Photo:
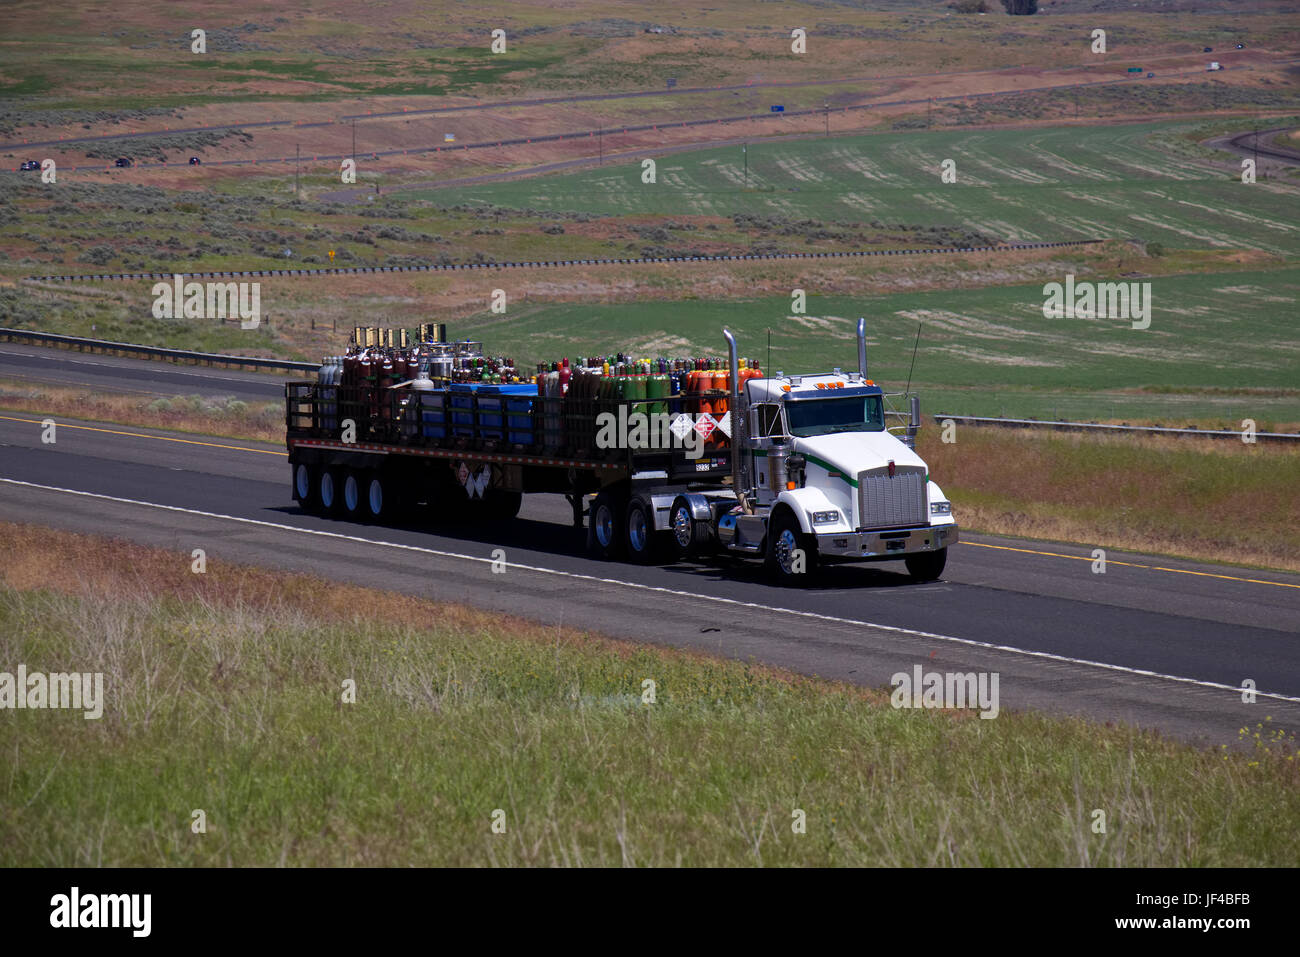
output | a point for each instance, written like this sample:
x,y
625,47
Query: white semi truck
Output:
x,y
801,470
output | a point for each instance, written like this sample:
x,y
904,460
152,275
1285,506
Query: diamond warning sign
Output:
x,y
705,425
681,425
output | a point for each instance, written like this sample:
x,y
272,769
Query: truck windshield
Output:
x,y
825,416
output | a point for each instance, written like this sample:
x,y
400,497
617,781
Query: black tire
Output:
x,y
688,536
351,494
605,527
329,491
644,545
781,559
927,566
302,483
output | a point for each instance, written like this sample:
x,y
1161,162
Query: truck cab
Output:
x,y
818,476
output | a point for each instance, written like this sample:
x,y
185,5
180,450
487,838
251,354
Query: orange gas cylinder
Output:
x,y
721,383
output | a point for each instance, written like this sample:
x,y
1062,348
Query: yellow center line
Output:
x,y
1158,568
141,435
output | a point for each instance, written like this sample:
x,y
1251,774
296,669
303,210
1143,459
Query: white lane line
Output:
x,y
968,642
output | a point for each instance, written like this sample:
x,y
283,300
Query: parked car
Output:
x,y
1241,46
30,164
1208,50
122,161
1150,75
195,161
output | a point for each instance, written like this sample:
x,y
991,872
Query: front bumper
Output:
x,y
883,543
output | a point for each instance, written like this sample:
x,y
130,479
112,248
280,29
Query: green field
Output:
x,y
1218,346
1015,185
224,693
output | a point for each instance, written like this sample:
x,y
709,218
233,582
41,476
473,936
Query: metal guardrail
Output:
x,y
557,263
106,347
1061,426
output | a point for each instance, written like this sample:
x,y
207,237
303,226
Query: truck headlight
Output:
x,y
941,508
825,518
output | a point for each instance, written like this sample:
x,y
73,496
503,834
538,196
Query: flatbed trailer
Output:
x,y
795,470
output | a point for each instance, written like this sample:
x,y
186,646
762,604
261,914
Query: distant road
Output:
x,y
539,101
605,131
132,376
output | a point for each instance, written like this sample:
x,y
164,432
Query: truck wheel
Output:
x,y
689,536
642,541
304,487
380,500
927,566
604,528
350,498
328,491
791,554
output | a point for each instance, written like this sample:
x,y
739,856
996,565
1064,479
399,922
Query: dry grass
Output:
x,y
220,416
1197,498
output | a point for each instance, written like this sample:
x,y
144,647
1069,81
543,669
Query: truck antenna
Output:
x,y
768,367
914,345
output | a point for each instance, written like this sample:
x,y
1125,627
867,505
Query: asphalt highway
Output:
x,y
115,374
1154,642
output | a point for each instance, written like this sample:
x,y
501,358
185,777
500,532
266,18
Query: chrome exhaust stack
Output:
x,y
737,420
862,347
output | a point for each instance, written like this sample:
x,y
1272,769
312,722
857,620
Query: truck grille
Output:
x,y
886,501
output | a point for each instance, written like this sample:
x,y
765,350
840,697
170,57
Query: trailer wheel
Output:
x,y
926,566
379,499
304,487
350,499
604,528
791,557
642,541
328,491
688,535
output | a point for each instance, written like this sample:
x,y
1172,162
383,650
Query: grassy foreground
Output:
x,y
224,694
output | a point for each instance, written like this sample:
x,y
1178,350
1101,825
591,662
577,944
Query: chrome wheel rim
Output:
x,y
302,481
604,526
682,527
376,497
636,535
327,490
350,493
785,548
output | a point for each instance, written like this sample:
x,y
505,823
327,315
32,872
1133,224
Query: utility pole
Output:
x,y
600,138
354,141
745,149
929,112
827,108
297,156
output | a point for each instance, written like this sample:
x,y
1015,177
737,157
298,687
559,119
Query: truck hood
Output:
x,y
853,452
